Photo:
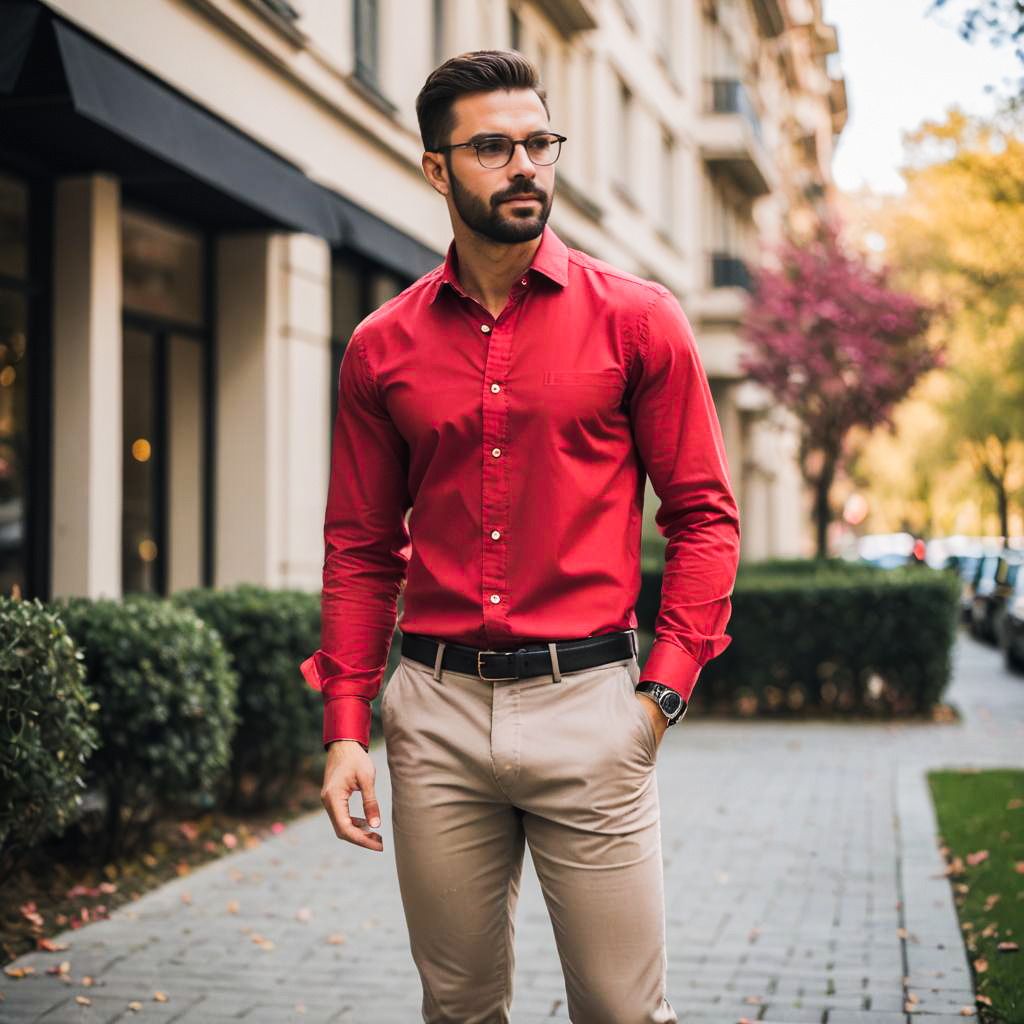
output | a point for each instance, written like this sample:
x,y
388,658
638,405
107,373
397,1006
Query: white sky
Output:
x,y
902,68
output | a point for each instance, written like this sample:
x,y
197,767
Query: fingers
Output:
x,y
335,798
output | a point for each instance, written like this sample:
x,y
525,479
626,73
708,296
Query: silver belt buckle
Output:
x,y
479,667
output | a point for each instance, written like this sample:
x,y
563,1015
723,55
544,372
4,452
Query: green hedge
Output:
x,y
46,731
267,634
828,639
167,695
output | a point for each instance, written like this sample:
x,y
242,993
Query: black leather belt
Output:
x,y
528,660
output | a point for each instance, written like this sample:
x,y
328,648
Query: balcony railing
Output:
x,y
728,96
729,271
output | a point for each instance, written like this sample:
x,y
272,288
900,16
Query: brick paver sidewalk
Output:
x,y
802,876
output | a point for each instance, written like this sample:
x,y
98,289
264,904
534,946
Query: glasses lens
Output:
x,y
544,149
494,152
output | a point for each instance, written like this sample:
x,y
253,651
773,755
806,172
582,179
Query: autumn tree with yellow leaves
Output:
x,y
957,236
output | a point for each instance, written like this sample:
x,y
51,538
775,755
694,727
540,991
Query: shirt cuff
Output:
x,y
672,666
347,718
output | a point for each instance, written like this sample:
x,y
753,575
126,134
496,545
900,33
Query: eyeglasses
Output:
x,y
494,151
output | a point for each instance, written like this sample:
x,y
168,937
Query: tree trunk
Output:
x,y
822,510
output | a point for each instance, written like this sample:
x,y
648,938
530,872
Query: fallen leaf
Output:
x,y
277,827
977,857
83,1000
189,830
967,1011
135,1006
1008,947
336,939
1019,867
19,972
229,840
51,946
233,906
984,999
29,912
160,997
303,914
981,965
1015,804
64,967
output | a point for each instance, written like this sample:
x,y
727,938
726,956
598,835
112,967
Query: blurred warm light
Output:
x,y
7,375
147,550
875,241
141,449
856,509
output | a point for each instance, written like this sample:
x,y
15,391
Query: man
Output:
x,y
514,398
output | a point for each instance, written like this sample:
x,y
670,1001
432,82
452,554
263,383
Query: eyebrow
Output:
x,y
480,136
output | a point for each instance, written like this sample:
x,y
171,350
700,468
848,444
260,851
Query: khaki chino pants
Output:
x,y
564,762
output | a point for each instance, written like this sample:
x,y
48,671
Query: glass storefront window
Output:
x,y
166,436
13,442
163,269
141,457
13,228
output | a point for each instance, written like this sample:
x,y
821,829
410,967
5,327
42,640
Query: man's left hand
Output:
x,y
658,719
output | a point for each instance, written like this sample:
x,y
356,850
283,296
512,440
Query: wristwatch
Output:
x,y
673,707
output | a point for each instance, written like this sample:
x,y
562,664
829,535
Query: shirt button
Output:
x,y
495,452
485,328
495,388
495,599
495,534
523,281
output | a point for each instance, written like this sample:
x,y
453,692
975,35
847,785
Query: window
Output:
x,y
667,210
515,31
439,26
367,46
358,287
165,412
14,392
622,139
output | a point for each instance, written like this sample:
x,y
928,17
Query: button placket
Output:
x,y
495,482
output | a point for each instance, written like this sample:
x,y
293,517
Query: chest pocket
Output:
x,y
583,394
611,378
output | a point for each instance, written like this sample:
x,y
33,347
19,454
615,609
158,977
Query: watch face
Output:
x,y
671,703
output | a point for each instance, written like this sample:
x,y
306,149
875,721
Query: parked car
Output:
x,y
1011,638
966,559
886,550
992,592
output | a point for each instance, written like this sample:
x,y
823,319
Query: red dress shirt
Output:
x,y
520,444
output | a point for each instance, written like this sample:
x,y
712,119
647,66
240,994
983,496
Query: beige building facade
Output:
x,y
199,199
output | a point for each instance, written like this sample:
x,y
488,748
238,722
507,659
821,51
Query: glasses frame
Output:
x,y
475,145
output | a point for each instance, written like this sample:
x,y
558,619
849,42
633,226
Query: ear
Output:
x,y
436,172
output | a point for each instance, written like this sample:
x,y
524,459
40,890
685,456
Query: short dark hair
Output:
x,y
473,72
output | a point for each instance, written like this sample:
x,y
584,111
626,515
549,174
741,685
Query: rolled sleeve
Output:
x,y
679,438
366,551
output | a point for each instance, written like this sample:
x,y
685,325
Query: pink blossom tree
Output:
x,y
831,342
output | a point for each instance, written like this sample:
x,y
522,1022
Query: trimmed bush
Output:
x,y
267,634
46,732
833,640
167,699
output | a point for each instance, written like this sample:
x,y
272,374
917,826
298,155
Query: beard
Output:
x,y
490,220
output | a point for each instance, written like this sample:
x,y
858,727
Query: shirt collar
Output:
x,y
551,259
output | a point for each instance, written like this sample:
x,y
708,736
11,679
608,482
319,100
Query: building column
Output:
x,y
87,395
273,395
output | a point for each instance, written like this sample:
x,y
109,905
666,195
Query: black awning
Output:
x,y
70,104
370,236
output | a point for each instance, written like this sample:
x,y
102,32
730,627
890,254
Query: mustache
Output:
x,y
529,193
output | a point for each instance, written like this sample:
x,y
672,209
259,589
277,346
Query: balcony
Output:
x,y
730,137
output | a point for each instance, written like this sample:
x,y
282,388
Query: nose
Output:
x,y
521,166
